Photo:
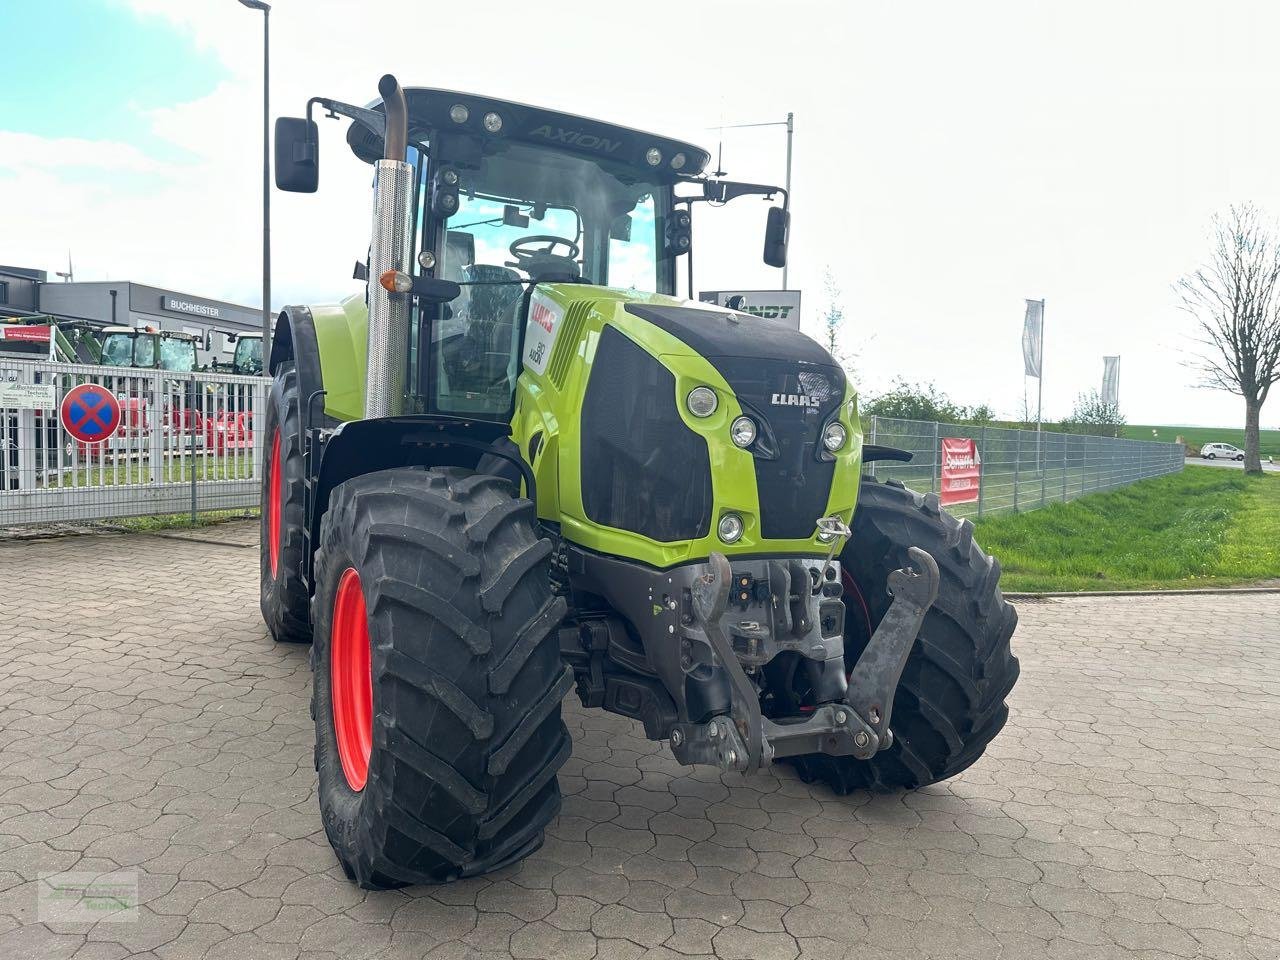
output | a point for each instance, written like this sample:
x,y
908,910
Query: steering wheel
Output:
x,y
519,248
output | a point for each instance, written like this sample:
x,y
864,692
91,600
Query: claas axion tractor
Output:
x,y
519,462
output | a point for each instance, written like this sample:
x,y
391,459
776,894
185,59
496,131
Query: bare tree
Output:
x,y
1235,298
833,319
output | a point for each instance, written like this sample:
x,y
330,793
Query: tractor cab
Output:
x,y
247,360
149,348
502,197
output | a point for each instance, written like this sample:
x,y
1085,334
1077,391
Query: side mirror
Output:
x,y
297,155
776,231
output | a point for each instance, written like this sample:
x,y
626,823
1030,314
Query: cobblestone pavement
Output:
x,y
1131,808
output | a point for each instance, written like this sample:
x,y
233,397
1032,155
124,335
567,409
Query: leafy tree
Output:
x,y
1093,416
981,414
918,401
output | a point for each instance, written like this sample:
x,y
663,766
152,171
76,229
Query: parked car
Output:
x,y
1212,451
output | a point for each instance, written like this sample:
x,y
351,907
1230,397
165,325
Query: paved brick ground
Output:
x,y
1131,809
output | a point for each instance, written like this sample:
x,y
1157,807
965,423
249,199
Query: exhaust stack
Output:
x,y
388,355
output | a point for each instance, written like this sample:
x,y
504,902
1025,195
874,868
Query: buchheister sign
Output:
x,y
194,307
961,471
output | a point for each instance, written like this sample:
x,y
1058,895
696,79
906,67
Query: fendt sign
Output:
x,y
780,305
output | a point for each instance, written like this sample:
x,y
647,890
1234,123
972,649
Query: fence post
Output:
x,y
1042,463
936,482
982,486
1017,469
190,418
873,440
1064,468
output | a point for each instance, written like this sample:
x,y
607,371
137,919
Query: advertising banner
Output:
x,y
961,471
1111,381
26,334
1033,339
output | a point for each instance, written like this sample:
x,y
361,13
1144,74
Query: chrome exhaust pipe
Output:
x,y
390,249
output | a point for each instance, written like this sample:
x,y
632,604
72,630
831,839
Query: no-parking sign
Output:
x,y
90,413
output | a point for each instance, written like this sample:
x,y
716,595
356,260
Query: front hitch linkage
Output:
x,y
746,741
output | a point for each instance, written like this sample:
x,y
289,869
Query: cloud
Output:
x,y
26,153
949,161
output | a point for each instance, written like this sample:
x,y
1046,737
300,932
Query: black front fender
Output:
x,y
359,447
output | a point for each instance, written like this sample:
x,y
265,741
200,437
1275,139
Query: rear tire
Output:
x,y
465,677
283,594
950,701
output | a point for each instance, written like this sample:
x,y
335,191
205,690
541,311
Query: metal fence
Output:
x,y
1020,469
186,442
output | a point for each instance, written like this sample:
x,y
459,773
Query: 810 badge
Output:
x,y
540,332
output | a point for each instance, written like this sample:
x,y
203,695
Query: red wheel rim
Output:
x,y
273,504
350,680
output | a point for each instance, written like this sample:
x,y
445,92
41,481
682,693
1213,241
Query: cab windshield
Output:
x,y
139,350
118,349
527,215
248,356
177,354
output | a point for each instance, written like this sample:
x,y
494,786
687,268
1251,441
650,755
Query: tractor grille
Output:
x,y
792,479
567,342
643,470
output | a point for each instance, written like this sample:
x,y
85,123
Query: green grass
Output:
x,y
1269,440
1198,528
177,521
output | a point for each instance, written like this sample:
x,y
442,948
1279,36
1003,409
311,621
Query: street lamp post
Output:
x,y
266,173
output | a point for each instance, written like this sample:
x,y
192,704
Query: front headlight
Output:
x,y
730,528
834,436
743,431
702,401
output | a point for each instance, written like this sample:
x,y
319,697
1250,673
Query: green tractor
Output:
x,y
519,462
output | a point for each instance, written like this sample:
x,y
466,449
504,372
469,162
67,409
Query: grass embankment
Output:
x,y
1202,527
1268,440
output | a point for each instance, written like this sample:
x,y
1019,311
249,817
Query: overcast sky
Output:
x,y
951,159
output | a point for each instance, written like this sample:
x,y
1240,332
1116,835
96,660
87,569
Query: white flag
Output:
x,y
1033,338
1111,381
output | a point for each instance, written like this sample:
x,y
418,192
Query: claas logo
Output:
x,y
543,317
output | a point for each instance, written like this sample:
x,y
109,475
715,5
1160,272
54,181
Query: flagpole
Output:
x,y
1040,391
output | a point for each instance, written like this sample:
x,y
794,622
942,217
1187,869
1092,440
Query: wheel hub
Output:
x,y
350,680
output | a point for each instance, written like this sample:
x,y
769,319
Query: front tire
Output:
x,y
282,592
436,703
950,700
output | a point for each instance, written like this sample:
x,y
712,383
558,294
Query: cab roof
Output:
x,y
174,334
431,109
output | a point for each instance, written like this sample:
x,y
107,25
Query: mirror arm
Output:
x,y
372,120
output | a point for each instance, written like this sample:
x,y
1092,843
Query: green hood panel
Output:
x,y
342,332
563,332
